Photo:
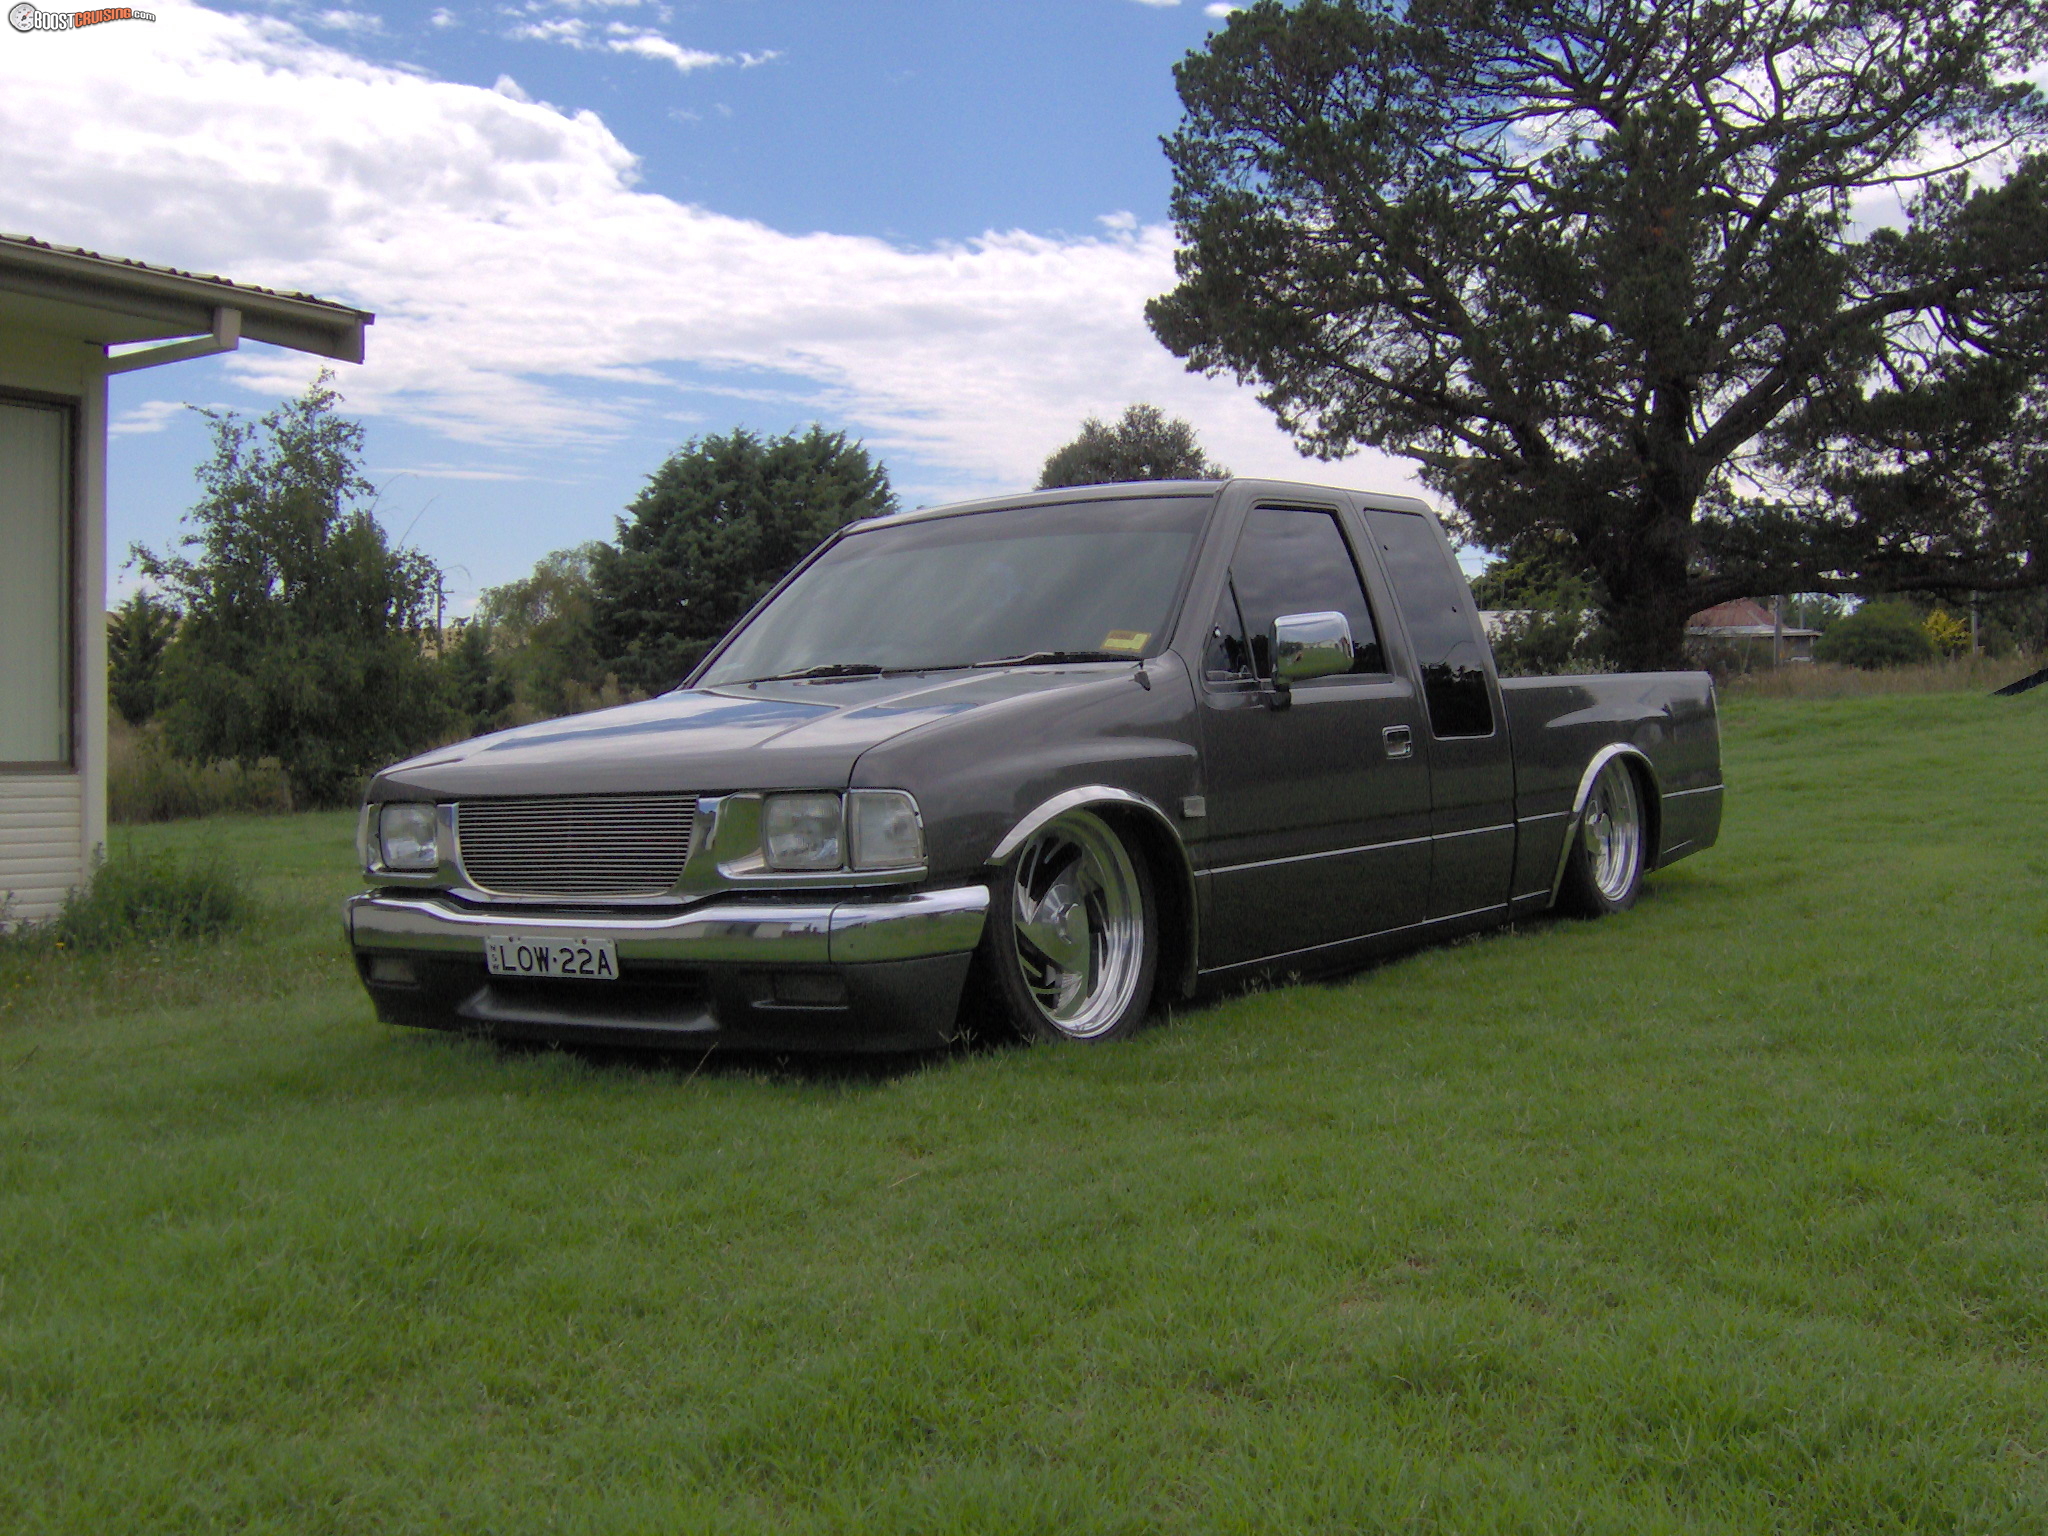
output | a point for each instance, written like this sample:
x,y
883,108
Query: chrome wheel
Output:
x,y
1612,834
1077,925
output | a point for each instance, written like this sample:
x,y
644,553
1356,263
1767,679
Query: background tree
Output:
x,y
1588,262
719,524
1144,444
543,637
303,628
1545,622
480,696
138,633
1888,634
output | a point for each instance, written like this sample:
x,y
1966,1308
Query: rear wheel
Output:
x,y
1073,938
1604,870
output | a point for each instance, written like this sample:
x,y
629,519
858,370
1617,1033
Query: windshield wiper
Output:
x,y
1049,658
826,669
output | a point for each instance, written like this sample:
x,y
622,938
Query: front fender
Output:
x,y
1158,842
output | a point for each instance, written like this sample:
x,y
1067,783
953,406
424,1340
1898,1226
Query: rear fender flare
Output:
x,y
1653,807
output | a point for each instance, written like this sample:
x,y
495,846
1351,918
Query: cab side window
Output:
x,y
1288,560
1436,604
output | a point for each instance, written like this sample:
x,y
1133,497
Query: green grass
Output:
x,y
1725,1215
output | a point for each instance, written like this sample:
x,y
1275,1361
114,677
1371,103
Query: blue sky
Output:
x,y
592,230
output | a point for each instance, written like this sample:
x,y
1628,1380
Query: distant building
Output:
x,y
62,314
1748,629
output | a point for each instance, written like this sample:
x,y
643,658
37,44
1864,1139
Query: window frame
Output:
x,y
71,550
1496,701
1227,589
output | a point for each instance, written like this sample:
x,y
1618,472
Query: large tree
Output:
x,y
1653,278
303,636
1142,444
719,524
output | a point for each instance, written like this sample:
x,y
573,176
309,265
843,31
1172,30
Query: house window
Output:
x,y
35,583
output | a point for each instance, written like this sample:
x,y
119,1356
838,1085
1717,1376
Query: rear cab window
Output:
x,y
1443,627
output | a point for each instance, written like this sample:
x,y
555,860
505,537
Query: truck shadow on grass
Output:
x,y
983,1038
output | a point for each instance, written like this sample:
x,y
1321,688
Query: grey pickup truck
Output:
x,y
1053,760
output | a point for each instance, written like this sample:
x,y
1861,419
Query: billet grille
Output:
x,y
575,846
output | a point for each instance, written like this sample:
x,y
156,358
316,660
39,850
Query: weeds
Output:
x,y
146,783
144,899
1821,680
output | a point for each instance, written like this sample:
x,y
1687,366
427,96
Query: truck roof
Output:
x,y
1125,489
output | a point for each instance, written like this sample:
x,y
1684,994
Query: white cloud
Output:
x,y
1160,4
1220,11
619,37
528,292
573,31
1122,222
152,416
652,45
444,472
361,22
443,19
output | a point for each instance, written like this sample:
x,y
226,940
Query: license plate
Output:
x,y
508,954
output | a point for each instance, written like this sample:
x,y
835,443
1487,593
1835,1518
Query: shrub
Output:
x,y
152,898
1947,633
1876,635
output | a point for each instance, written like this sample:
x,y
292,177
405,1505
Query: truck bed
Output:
x,y
1559,724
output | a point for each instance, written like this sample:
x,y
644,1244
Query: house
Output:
x,y
1750,630
62,314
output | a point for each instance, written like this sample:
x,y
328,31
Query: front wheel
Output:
x,y
1073,937
1604,870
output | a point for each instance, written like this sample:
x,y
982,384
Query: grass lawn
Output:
x,y
1728,1214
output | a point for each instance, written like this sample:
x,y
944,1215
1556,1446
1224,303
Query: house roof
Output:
x,y
108,299
1745,618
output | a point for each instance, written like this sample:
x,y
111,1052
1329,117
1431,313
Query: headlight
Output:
x,y
801,832
883,828
406,835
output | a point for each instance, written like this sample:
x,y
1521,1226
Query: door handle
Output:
x,y
1400,741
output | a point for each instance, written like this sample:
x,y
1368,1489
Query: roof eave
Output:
x,y
176,304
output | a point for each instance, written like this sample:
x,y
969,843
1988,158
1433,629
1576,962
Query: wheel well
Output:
x,y
1645,780
1172,890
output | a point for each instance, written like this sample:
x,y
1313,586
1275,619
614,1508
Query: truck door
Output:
x,y
1318,813
1471,766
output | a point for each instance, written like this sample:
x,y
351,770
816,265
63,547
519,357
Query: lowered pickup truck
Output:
x,y
1057,758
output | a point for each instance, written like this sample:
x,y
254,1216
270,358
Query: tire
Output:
x,y
1072,943
1604,871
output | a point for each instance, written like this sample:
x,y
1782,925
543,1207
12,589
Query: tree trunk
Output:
x,y
1649,631
1643,572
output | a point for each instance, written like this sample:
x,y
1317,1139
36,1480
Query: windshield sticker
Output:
x,y
1126,639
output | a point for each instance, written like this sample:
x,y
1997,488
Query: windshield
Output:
x,y
1089,580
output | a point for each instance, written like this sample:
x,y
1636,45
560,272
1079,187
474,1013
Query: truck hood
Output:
x,y
792,735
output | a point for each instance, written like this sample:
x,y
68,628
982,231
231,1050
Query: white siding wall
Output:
x,y
50,822
41,842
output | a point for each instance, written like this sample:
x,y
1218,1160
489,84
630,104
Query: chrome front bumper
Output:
x,y
855,931
872,972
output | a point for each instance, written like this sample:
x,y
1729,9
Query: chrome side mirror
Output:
x,y
1305,646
